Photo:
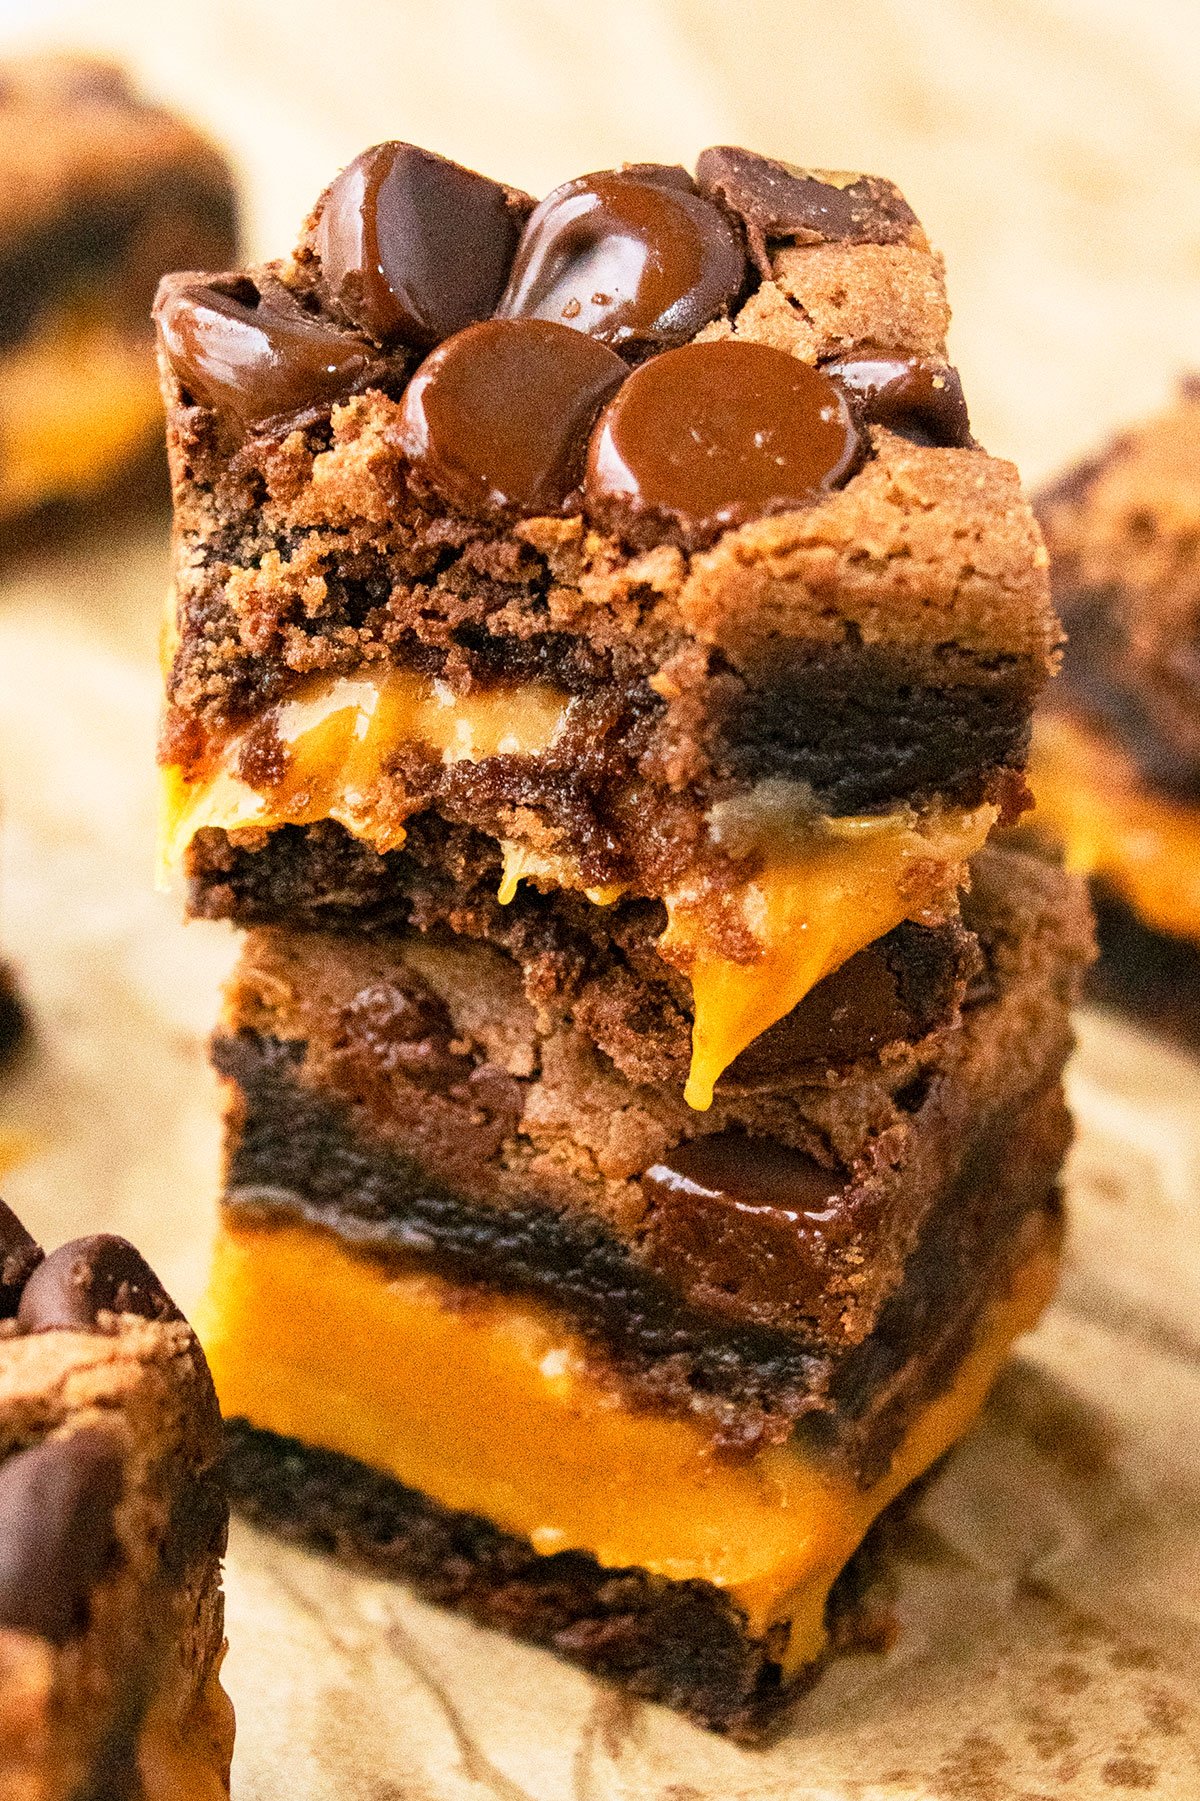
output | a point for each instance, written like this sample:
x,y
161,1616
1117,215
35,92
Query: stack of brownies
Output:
x,y
598,649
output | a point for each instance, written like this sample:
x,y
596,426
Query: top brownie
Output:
x,y
640,531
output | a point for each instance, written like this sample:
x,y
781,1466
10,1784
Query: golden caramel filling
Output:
x,y
830,887
491,1406
818,901
76,402
326,750
1091,798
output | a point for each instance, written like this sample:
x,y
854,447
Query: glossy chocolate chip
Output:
x,y
57,1501
632,258
252,353
740,1215
496,419
778,201
412,248
88,1277
916,396
712,435
20,1255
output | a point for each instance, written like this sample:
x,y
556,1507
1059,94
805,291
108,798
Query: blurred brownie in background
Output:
x,y
112,1529
12,1014
100,192
1116,768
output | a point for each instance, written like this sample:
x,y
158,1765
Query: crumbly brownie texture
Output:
x,y
1122,529
881,643
596,968
114,1520
680,1643
98,188
404,1094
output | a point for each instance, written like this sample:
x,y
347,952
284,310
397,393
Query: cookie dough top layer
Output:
x,y
469,309
1123,530
101,1382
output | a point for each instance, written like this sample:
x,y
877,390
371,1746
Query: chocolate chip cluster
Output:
x,y
560,372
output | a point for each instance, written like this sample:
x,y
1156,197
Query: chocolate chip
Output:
x,y
57,1501
496,418
777,200
88,1277
712,435
20,1255
252,353
412,247
741,1216
631,257
918,397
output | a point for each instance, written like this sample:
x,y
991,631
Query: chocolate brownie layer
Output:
x,y
100,191
1151,974
681,1643
1122,529
12,1015
597,968
403,1094
839,609
113,1518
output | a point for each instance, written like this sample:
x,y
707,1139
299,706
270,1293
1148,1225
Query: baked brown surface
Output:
x,y
114,1520
97,186
405,1093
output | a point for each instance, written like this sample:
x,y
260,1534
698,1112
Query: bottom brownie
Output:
x,y
1151,975
681,1643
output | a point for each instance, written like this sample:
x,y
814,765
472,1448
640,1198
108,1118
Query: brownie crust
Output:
x,y
681,1643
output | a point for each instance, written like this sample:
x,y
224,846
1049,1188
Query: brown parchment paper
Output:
x,y
1048,1590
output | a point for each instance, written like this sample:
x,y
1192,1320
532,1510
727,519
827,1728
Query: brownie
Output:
x,y
403,1092
113,1518
100,192
12,1015
444,1202
661,587
1117,751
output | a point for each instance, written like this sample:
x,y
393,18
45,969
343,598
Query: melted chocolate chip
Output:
x,y
916,396
712,435
88,1277
252,353
742,1216
412,247
632,258
496,418
776,200
57,1501
20,1255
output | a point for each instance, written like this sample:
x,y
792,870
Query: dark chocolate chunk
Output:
x,y
20,1255
412,247
632,258
712,435
917,396
777,200
252,353
57,1501
741,1216
497,418
88,1277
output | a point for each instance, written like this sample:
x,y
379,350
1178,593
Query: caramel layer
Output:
x,y
76,402
491,1406
1092,799
828,888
